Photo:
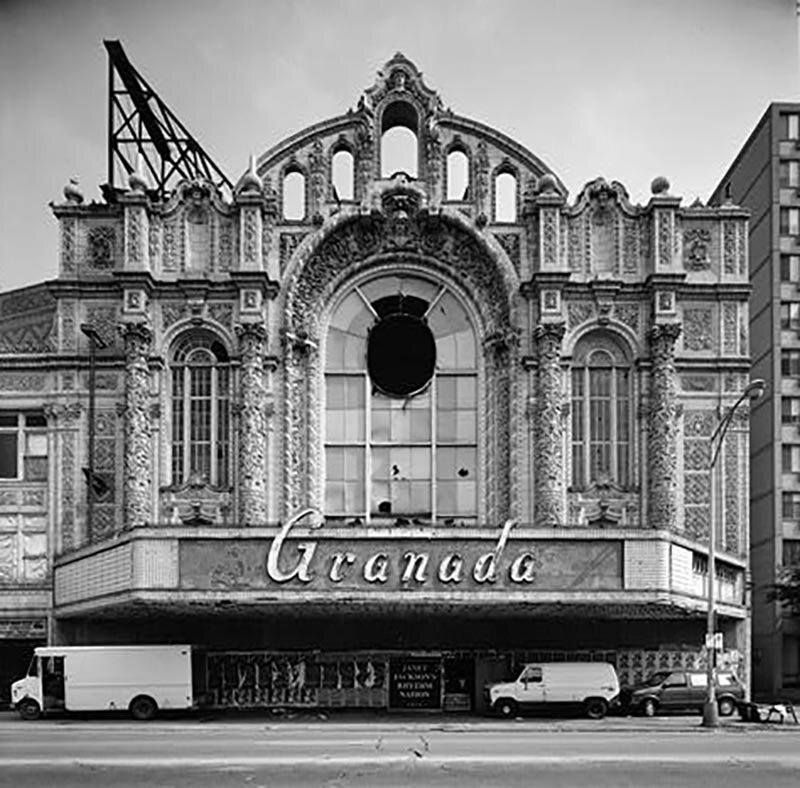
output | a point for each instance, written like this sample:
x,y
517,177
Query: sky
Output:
x,y
624,89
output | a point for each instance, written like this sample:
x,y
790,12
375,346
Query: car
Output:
x,y
684,690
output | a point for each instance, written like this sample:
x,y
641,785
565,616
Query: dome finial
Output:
x,y
659,185
136,180
250,181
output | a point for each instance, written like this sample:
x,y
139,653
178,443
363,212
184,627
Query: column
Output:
x,y
548,430
662,429
252,476
138,426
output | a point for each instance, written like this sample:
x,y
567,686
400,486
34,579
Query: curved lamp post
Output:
x,y
754,390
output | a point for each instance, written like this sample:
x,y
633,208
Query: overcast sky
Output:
x,y
626,89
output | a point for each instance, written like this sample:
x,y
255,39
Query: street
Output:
x,y
373,753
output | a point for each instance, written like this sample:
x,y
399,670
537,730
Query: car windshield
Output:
x,y
656,678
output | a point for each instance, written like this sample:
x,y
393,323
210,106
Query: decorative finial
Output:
x,y
136,180
72,193
660,185
250,181
547,183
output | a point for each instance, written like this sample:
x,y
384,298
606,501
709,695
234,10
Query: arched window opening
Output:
x,y
505,198
457,175
294,196
200,418
399,143
401,438
342,175
601,417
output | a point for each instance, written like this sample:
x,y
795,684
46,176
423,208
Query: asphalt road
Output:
x,y
394,752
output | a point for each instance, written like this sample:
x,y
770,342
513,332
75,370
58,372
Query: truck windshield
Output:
x,y
33,668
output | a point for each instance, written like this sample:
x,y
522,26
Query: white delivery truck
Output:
x,y
592,687
139,679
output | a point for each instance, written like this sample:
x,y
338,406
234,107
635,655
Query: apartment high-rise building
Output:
x,y
765,178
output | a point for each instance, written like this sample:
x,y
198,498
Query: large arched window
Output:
x,y
602,426
401,405
200,418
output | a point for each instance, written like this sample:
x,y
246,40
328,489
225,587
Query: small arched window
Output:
x,y
200,418
602,425
457,175
505,197
294,196
342,174
399,143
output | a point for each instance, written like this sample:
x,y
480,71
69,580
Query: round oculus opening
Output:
x,y
401,355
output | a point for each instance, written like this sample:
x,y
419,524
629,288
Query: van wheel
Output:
x,y
29,709
506,708
143,707
649,708
726,707
596,708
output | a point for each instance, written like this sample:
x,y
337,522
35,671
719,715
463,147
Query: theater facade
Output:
x,y
371,438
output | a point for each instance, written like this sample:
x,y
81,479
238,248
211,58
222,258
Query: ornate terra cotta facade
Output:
x,y
492,405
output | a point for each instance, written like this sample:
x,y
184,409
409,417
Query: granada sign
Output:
x,y
407,564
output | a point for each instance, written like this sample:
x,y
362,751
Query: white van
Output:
x,y
139,679
592,687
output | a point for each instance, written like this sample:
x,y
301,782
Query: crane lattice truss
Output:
x,y
144,132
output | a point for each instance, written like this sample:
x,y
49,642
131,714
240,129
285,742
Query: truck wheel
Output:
x,y
506,708
143,707
28,709
726,707
596,708
649,708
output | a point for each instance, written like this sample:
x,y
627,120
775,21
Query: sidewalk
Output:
x,y
359,720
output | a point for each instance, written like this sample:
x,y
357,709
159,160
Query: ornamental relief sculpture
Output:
x,y
662,437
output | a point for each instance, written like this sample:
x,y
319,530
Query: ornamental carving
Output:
x,y
154,241
664,225
69,245
316,166
511,246
630,238
104,319
138,425
548,450
67,441
22,382
481,178
549,237
733,473
101,243
222,314
575,250
172,312
730,317
173,244
628,314
662,437
250,251
225,244
699,332
579,312
135,221
288,243
34,300
696,243
697,382
253,425
729,247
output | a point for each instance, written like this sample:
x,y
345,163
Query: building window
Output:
x,y
294,196
791,552
399,143
791,127
401,405
789,173
790,509
790,221
342,175
790,410
790,363
201,432
457,175
790,458
790,268
505,197
23,446
601,416
790,315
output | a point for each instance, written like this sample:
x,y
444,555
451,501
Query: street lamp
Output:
x,y
754,390
95,341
